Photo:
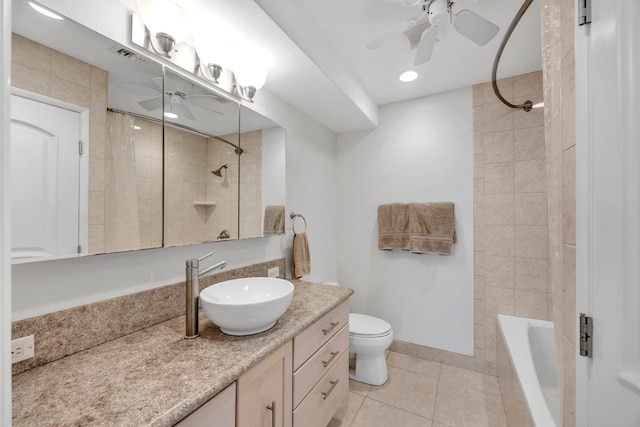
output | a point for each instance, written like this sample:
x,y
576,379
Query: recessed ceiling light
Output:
x,y
408,76
170,115
45,12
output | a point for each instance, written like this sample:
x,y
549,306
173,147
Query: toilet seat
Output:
x,y
361,325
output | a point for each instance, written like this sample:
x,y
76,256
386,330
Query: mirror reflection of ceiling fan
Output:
x,y
179,96
431,26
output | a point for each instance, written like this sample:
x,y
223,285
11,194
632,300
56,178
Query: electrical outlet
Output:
x,y
274,272
22,349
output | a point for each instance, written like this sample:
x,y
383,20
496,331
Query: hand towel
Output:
x,y
393,226
300,256
273,220
432,228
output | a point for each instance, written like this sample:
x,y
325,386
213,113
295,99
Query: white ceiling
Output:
x,y
333,34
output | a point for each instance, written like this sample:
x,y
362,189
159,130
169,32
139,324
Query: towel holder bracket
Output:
x,y
293,217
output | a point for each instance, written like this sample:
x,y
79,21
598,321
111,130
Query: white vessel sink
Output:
x,y
246,306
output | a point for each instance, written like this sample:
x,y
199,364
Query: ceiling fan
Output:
x,y
178,93
431,26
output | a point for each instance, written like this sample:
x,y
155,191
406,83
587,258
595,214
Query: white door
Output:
x,y
608,212
45,176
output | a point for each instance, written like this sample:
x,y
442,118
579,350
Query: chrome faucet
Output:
x,y
193,291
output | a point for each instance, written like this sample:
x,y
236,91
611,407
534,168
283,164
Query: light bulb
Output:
x,y
165,16
250,68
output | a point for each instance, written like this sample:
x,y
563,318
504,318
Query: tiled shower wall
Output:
x,y
510,209
558,26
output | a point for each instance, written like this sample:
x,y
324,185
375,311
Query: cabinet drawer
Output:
x,y
219,411
316,335
314,368
317,409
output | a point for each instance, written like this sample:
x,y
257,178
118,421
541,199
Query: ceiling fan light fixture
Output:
x,y
45,12
408,76
170,115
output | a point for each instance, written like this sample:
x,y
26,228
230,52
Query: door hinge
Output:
x,y
586,335
584,12
80,147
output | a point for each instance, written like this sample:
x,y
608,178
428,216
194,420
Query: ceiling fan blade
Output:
x,y
158,82
151,104
186,112
425,48
136,88
201,101
391,33
475,27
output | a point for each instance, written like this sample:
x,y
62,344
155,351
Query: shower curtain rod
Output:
x,y
177,125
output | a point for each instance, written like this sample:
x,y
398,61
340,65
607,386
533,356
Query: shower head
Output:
x,y
218,172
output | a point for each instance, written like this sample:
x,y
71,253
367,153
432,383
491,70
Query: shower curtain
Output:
x,y
122,226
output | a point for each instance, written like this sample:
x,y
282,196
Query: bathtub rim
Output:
x,y
515,335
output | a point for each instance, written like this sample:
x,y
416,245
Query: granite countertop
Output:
x,y
154,377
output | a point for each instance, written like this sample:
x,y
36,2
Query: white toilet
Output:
x,y
369,337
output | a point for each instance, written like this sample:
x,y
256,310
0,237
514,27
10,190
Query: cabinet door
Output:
x,y
220,411
265,392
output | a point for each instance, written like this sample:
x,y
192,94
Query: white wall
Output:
x,y
311,151
274,177
422,151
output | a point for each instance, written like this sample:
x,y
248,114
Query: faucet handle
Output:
x,y
206,256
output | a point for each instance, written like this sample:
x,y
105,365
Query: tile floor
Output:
x,y
420,393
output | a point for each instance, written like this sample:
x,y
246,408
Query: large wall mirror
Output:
x,y
163,160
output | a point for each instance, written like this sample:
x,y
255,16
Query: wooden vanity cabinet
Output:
x,y
264,392
220,411
321,369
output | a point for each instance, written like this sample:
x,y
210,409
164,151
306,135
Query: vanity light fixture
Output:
x,y
215,53
250,71
167,20
45,12
408,76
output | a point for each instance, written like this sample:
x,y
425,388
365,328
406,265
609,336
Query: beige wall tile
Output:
x,y
96,207
500,272
499,240
504,85
569,389
98,106
530,176
529,144
531,274
478,312
530,209
96,173
478,118
99,79
478,288
531,304
499,178
70,69
478,336
478,238
70,92
498,301
531,241
478,166
30,55
491,332
526,119
569,196
498,147
569,314
528,84
96,239
97,141
568,108
478,142
478,214
478,95
498,209
567,36
31,80
497,117
478,190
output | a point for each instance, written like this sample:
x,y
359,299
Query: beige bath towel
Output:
x,y
273,220
432,228
393,226
300,256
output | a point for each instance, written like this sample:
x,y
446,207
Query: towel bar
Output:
x,y
293,217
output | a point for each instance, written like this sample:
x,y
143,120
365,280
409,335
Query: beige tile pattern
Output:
x,y
419,394
510,211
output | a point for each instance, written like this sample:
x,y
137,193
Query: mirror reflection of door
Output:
x,y
45,177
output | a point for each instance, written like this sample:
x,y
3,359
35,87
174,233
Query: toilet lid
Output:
x,y
363,325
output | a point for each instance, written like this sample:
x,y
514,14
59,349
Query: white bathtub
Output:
x,y
530,346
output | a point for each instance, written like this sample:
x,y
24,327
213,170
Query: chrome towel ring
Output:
x,y
293,217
